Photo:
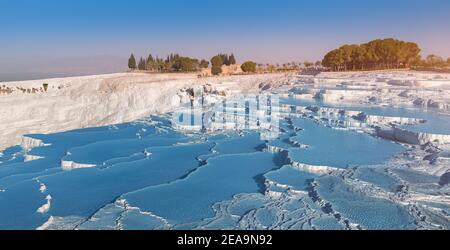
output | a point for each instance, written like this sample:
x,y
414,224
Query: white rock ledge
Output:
x,y
411,137
70,165
29,143
315,169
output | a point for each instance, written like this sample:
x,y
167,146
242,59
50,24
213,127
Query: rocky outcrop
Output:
x,y
430,103
377,119
403,82
445,179
411,137
29,143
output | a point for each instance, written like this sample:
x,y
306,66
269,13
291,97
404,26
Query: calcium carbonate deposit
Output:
x,y
361,150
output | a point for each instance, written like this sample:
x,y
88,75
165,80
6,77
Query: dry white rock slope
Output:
x,y
89,101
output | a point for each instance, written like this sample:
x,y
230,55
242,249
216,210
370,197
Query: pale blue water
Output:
x,y
84,191
370,212
338,148
378,176
191,199
287,175
183,178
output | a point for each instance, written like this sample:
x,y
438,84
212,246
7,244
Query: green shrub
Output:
x,y
216,70
217,61
249,66
185,64
204,64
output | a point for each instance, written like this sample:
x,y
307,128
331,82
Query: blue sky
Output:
x,y
58,35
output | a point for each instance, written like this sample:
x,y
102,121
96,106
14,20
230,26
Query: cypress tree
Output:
x,y
141,65
150,58
232,59
132,62
226,59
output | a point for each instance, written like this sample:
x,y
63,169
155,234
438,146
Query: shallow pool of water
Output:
x,y
169,178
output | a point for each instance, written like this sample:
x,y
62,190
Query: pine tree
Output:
x,y
132,62
377,54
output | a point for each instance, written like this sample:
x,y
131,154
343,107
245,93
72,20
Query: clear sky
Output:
x,y
90,36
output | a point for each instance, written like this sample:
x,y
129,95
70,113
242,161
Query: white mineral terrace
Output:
x,y
90,101
361,150
61,104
